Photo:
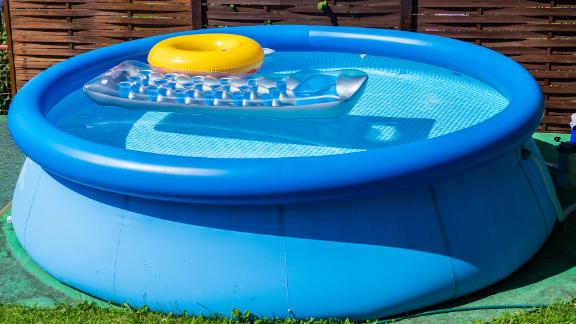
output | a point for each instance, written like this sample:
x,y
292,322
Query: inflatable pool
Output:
x,y
428,189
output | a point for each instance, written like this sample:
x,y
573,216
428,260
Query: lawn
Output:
x,y
90,313
557,313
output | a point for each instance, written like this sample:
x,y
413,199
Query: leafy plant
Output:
x,y
323,5
5,98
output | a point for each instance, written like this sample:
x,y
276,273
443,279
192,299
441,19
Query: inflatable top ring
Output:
x,y
227,53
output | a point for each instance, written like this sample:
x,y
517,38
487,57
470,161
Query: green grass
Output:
x,y
557,313
91,313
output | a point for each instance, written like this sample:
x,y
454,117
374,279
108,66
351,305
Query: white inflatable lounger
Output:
x,y
303,94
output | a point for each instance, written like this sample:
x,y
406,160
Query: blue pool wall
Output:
x,y
232,180
365,257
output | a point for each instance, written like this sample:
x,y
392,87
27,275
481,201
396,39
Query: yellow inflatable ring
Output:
x,y
207,53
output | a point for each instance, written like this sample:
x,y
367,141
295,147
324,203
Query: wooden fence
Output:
x,y
44,32
540,34
364,13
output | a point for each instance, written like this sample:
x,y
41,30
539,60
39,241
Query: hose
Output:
x,y
569,210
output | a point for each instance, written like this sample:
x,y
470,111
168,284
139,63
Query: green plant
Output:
x,y
5,98
323,5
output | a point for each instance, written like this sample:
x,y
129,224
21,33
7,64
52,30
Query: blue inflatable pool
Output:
x,y
428,189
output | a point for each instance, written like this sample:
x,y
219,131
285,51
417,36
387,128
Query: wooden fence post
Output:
x,y
196,9
406,13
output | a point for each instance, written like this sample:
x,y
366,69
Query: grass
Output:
x,y
557,313
91,313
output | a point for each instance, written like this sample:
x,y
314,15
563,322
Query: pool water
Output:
x,y
404,101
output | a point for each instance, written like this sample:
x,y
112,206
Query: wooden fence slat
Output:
x,y
406,14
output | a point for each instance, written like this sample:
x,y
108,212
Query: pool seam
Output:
x,y
442,229
38,184
282,232
116,257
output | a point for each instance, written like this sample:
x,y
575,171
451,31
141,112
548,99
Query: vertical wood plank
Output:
x,y
197,16
406,11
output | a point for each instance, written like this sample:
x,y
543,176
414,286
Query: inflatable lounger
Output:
x,y
304,94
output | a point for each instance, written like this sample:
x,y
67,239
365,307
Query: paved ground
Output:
x,y
10,162
21,280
